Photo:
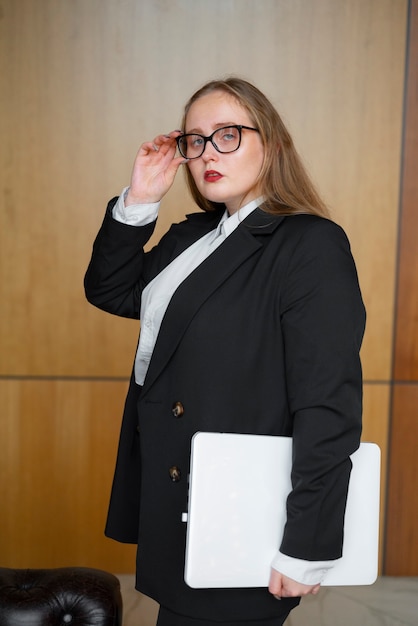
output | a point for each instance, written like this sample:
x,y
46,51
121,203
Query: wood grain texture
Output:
x,y
59,442
406,343
401,553
401,550
83,83
80,95
376,407
57,466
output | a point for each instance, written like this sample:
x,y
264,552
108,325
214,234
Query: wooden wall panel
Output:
x,y
59,441
402,511
83,83
406,353
401,541
376,408
82,94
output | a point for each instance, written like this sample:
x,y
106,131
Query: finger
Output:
x,y
167,138
168,141
149,147
168,147
275,584
174,133
159,140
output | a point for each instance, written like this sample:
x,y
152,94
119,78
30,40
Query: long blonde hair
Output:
x,y
284,182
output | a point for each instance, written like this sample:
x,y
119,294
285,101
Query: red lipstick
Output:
x,y
211,176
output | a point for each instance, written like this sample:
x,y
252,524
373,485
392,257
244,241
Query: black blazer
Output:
x,y
263,337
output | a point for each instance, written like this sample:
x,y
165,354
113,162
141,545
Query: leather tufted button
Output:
x,y
175,473
64,596
177,409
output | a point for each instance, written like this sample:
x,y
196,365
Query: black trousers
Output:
x,y
168,618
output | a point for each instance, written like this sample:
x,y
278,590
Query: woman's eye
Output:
x,y
196,141
228,134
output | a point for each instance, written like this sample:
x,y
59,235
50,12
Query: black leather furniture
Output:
x,y
67,596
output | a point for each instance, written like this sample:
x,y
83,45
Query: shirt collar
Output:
x,y
229,223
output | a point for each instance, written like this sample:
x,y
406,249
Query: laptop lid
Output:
x,y
237,511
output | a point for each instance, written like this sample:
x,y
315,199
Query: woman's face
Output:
x,y
231,177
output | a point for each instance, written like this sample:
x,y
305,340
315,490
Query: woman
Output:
x,y
251,322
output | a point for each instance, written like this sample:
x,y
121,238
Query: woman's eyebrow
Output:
x,y
199,131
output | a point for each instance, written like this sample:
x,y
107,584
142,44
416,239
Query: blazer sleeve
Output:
x,y
116,273
119,268
323,320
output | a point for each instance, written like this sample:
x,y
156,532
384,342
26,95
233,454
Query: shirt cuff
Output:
x,y
135,214
305,572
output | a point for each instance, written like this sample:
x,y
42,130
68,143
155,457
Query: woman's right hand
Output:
x,y
154,169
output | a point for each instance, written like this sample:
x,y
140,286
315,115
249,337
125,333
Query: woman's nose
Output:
x,y
210,152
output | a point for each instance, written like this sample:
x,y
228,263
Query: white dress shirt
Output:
x,y
155,299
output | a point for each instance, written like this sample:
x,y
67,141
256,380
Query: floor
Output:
x,y
389,602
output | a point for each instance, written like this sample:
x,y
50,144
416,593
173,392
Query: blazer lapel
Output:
x,y
244,242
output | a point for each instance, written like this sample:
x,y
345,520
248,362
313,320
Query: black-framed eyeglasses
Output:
x,y
224,140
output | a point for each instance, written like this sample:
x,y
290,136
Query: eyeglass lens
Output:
x,y
224,139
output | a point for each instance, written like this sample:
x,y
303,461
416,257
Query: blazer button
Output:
x,y
177,409
175,473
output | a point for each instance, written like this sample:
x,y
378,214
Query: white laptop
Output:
x,y
237,511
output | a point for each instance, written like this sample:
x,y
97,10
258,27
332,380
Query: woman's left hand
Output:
x,y
281,586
